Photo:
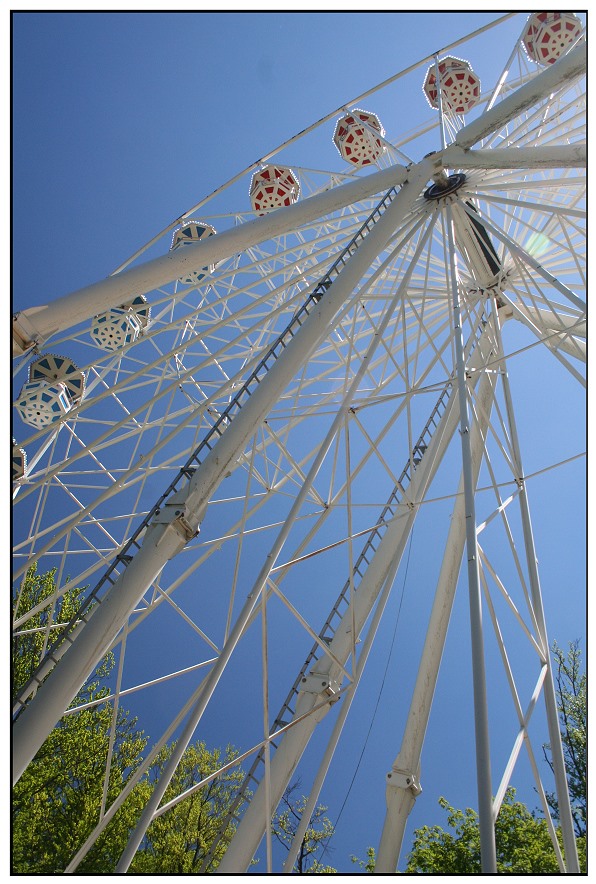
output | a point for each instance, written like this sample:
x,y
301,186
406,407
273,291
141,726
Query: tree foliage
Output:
x,y
522,841
571,689
314,843
57,801
28,645
522,838
178,842
367,865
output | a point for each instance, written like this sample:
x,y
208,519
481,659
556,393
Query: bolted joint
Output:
x,y
180,516
179,519
184,526
505,310
402,779
24,334
322,685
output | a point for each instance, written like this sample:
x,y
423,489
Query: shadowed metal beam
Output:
x,y
564,156
36,324
564,71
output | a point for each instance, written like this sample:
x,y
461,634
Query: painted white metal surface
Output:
x,y
165,539
65,312
401,794
566,70
558,327
315,702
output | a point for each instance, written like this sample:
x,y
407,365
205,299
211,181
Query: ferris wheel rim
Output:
x,y
433,323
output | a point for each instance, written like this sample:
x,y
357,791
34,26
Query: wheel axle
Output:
x,y
438,190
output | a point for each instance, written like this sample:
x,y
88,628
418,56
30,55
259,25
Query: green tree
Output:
x,y
571,689
29,641
522,841
56,800
319,831
367,865
178,842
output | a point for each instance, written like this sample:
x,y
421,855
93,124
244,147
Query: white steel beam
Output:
x,y
327,676
347,698
552,712
36,324
561,156
181,515
567,69
561,322
531,262
567,329
481,726
323,684
403,780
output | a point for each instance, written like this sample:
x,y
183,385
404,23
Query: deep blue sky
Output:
x,y
122,121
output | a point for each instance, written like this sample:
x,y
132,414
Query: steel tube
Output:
x,y
552,714
481,727
38,323
387,556
204,480
564,156
250,831
400,801
567,69
56,693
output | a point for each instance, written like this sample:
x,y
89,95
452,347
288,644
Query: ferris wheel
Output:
x,y
229,441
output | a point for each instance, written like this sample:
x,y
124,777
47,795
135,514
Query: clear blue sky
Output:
x,y
122,121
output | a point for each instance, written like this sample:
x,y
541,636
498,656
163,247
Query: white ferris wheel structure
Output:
x,y
229,445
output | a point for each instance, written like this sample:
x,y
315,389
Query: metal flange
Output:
x,y
438,190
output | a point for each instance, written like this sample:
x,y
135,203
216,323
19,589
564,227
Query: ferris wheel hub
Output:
x,y
440,189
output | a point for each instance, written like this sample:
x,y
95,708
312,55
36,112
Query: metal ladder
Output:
x,y
134,543
336,614
341,604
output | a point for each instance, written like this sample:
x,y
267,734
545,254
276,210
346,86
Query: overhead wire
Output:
x,y
383,680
